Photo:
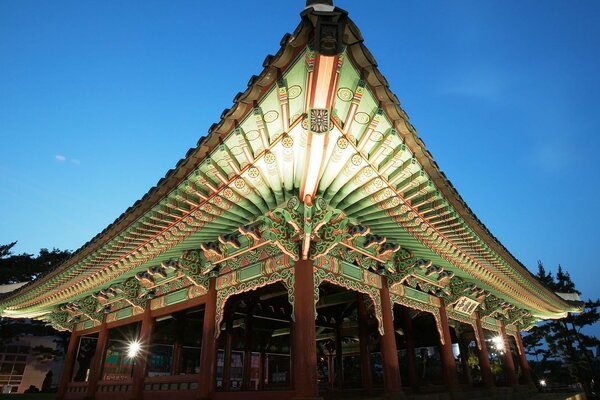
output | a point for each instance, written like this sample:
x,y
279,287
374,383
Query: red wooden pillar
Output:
x,y
141,361
389,351
247,371
304,345
363,334
448,365
464,361
70,358
208,353
261,370
487,378
339,360
176,367
330,371
523,359
227,354
411,357
509,363
96,369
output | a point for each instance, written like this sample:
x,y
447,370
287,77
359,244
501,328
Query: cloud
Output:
x,y
60,157
487,84
481,89
554,154
77,162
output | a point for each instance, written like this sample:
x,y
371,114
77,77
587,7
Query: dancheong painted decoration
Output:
x,y
308,245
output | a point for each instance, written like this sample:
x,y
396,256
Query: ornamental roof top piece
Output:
x,y
319,122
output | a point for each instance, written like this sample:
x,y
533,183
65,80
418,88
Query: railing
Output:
x,y
172,382
114,386
77,387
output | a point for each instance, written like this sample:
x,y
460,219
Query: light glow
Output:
x,y
498,343
542,382
133,349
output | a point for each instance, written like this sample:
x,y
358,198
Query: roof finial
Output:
x,y
320,5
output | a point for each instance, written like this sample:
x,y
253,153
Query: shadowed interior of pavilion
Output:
x,y
254,348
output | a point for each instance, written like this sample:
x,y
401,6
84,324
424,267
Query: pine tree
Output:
x,y
563,339
25,267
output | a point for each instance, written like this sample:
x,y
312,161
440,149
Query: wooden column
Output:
x,y
339,370
208,352
448,365
363,335
141,361
304,345
227,354
509,363
411,357
247,371
523,359
96,369
487,378
389,351
330,371
261,370
179,327
70,359
464,361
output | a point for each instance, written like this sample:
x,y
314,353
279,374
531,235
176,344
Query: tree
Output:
x,y
25,267
563,339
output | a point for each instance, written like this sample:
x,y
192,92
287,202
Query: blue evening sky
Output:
x,y
98,99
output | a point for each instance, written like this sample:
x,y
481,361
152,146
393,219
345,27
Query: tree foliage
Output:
x,y
563,339
27,267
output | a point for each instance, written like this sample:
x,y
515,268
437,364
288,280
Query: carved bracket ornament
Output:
x,y
497,308
419,274
421,306
328,232
60,320
321,275
94,307
281,227
456,316
286,276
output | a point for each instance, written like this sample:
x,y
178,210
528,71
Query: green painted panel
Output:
x,y
351,271
125,313
346,87
416,295
295,80
251,272
88,324
176,297
271,113
366,109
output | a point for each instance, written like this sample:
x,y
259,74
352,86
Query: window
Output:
x,y
85,356
118,364
174,348
18,369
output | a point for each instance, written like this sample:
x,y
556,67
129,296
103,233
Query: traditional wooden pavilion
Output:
x,y
309,245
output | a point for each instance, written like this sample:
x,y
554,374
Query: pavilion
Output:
x,y
309,246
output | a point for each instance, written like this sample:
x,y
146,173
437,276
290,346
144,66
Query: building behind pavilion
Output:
x,y
308,246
